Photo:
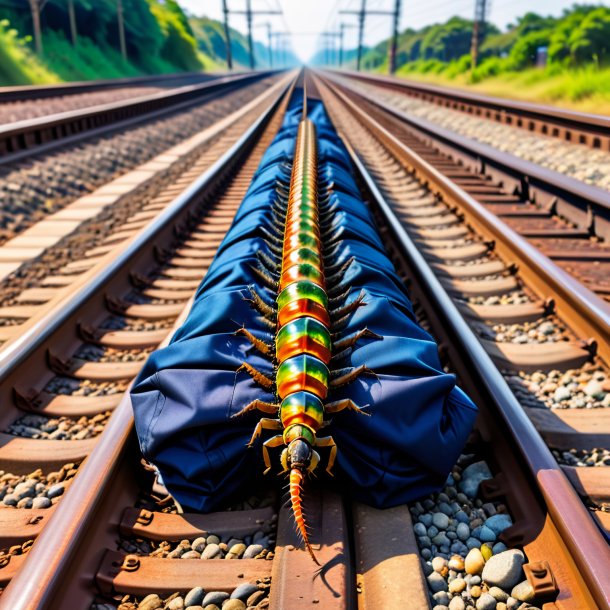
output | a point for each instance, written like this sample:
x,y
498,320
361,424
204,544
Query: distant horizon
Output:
x,y
315,16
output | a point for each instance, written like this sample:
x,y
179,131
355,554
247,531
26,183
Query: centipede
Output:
x,y
304,346
301,355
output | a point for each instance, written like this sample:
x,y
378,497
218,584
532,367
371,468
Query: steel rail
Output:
x,y
24,138
43,329
40,578
588,314
20,93
576,527
532,181
500,109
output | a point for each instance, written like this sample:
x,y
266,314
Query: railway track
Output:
x,y
19,93
112,537
576,127
50,196
564,218
502,303
21,139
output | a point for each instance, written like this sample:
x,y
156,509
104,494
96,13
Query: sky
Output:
x,y
307,18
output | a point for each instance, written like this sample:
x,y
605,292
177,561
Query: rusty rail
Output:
x,y
577,127
23,138
560,521
19,93
43,572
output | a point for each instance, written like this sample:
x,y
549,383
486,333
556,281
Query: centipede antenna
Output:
x,y
304,116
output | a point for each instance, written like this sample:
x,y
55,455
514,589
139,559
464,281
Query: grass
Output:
x,y
18,65
586,89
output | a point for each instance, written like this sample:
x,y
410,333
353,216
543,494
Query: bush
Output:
x,y
18,65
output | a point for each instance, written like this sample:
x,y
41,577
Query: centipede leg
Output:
x,y
259,344
342,405
275,441
259,377
261,305
264,424
351,340
258,405
344,376
341,312
328,441
266,279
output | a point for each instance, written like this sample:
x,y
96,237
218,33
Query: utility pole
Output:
x,y
394,45
480,8
362,13
269,39
342,28
225,10
72,18
36,7
330,54
249,13
119,11
250,45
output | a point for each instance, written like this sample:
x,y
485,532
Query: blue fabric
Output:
x,y
186,394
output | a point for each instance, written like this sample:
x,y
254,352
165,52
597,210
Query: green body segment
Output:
x,y
302,373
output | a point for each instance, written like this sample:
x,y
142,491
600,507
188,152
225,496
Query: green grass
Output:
x,y
586,89
18,65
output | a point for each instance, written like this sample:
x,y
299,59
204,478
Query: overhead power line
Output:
x,y
362,14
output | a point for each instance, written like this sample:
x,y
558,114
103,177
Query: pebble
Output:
x,y
472,476
194,597
244,591
215,597
198,544
38,503
150,602
441,598
253,550
486,602
234,604
463,531
436,582
457,603
213,539
176,604
486,534
523,591
236,551
440,520
474,562
504,570
457,585
498,594
498,523
211,551
256,598
456,563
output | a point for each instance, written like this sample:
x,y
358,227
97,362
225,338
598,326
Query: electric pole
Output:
x,y
249,13
330,54
36,7
280,47
72,18
395,28
269,39
480,8
362,13
119,10
342,29
225,10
